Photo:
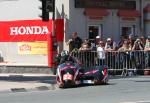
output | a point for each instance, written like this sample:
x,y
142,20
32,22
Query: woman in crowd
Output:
x,y
85,46
138,45
125,47
147,49
124,55
101,53
147,45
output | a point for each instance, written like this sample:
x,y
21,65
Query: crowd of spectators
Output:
x,y
126,44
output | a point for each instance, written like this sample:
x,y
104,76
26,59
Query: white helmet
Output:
x,y
64,53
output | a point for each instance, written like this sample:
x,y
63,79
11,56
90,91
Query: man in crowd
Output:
x,y
110,45
74,42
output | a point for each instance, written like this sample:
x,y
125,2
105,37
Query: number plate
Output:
x,y
88,81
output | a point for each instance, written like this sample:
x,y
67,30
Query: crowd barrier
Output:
x,y
117,62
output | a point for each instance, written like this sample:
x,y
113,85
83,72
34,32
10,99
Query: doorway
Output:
x,y
94,30
128,30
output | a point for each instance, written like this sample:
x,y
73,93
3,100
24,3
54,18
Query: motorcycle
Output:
x,y
71,74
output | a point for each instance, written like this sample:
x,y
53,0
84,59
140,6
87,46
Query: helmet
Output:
x,y
64,53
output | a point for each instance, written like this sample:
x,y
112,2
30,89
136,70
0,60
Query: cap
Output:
x,y
108,39
97,37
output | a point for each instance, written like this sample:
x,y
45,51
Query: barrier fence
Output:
x,y
117,62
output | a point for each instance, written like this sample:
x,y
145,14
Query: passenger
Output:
x,y
63,57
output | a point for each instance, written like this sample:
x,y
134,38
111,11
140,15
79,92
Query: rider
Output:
x,y
63,57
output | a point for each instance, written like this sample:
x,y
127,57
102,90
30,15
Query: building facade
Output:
x,y
106,18
89,18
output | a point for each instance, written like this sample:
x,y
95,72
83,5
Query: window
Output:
x,y
94,30
128,30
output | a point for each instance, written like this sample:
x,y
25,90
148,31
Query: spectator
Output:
x,y
124,55
147,54
137,45
110,45
147,45
85,46
130,41
101,53
74,42
143,41
87,42
125,47
120,43
95,42
84,53
137,59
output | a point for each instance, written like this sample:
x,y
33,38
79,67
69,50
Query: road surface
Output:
x,y
119,90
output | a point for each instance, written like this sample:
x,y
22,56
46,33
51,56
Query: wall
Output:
x,y
147,18
19,10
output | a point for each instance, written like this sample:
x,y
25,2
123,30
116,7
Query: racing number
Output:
x,y
67,77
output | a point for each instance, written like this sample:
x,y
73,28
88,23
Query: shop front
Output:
x,y
106,18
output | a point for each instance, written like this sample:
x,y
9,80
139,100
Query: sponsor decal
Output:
x,y
32,48
29,30
24,47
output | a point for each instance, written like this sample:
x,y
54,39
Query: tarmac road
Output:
x,y
119,90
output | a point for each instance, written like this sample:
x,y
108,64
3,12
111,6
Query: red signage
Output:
x,y
59,29
29,30
25,30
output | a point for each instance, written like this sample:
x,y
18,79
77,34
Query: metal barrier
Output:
x,y
124,62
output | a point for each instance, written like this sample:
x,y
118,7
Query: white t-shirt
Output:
x,y
101,53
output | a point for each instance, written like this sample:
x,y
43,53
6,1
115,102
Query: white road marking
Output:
x,y
137,102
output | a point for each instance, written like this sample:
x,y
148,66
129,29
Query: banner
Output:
x,y
37,48
30,30
24,30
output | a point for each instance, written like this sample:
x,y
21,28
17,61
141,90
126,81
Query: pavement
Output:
x,y
26,82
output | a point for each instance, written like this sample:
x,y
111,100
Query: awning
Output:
x,y
129,13
147,8
96,12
